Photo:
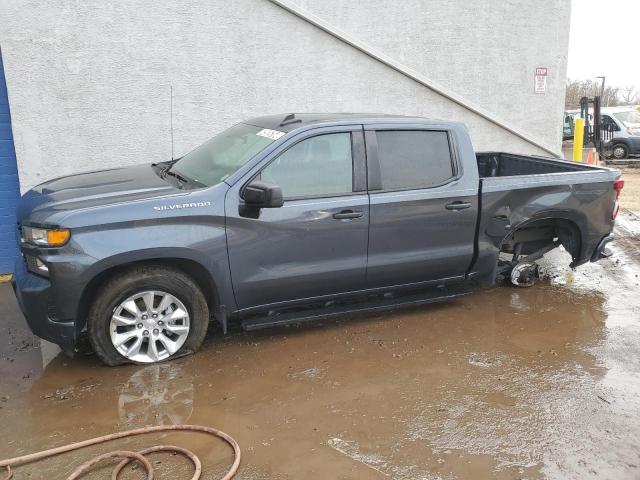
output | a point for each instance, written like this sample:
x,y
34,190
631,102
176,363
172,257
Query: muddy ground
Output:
x,y
506,383
631,190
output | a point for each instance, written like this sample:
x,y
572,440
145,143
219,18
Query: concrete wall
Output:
x,y
88,81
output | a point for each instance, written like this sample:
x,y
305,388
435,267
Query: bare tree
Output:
x,y
629,95
611,97
574,92
576,89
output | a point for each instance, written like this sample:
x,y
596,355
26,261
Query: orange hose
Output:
x,y
128,455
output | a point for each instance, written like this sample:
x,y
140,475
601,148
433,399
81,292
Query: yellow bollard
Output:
x,y
578,139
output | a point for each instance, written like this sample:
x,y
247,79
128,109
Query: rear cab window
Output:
x,y
413,159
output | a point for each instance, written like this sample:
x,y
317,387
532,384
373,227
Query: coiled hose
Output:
x,y
129,456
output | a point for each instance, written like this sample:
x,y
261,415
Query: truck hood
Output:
x,y
91,189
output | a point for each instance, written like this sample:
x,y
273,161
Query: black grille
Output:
x,y
52,311
31,263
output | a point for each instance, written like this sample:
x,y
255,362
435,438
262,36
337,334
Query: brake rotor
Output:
x,y
525,274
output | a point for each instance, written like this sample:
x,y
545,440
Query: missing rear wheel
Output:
x,y
525,274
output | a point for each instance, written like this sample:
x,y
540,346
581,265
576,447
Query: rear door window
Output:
x,y
414,159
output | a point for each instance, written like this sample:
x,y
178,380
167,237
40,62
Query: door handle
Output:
x,y
457,205
347,214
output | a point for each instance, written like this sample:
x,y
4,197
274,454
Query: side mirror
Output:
x,y
260,194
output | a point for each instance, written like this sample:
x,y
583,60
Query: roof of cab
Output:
x,y
286,122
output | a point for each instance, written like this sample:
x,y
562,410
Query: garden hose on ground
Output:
x,y
129,456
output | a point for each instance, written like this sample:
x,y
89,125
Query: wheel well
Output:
x,y
189,267
537,234
620,141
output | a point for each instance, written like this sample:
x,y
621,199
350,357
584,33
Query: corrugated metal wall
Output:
x,y
9,191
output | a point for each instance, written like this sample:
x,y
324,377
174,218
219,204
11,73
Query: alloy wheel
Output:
x,y
149,326
619,153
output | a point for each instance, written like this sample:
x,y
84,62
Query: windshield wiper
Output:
x,y
181,179
167,167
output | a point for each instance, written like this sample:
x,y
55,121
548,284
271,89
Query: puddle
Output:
x,y
506,383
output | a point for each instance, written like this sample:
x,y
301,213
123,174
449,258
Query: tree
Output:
x,y
629,95
574,92
612,96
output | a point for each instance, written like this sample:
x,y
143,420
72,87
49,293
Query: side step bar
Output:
x,y
380,304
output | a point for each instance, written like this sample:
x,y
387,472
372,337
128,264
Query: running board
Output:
x,y
381,304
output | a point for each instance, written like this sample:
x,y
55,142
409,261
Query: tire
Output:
x,y
131,283
620,151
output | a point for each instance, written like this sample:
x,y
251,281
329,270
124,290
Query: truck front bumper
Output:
x,y
34,297
600,251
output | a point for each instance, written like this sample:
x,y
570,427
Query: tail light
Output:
x,y
617,186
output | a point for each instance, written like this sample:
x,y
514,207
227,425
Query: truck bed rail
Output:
x,y
499,171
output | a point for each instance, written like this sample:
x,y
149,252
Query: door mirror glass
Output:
x,y
260,194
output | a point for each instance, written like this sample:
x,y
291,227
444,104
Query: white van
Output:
x,y
625,124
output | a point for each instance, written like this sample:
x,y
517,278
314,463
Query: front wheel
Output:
x,y
147,314
620,151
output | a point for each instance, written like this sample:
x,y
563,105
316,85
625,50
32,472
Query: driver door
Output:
x,y
315,245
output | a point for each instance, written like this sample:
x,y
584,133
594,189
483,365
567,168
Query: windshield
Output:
x,y
628,118
215,160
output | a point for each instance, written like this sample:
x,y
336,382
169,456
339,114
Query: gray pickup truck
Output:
x,y
290,218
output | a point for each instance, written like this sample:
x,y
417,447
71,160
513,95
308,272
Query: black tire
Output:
x,y
620,151
140,278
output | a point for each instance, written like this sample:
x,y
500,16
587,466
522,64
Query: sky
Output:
x,y
605,40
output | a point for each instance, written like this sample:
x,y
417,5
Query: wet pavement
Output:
x,y
506,383
631,195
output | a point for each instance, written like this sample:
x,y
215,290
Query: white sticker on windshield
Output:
x,y
272,134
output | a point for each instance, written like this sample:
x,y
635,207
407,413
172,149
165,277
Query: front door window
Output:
x,y
315,167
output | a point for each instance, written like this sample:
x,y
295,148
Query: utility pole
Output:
x,y
602,89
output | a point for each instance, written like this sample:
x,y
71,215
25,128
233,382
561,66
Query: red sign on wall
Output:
x,y
540,80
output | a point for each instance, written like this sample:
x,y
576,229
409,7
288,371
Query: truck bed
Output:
x,y
499,164
518,189
507,171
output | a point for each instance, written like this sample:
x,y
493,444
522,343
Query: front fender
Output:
x,y
201,239
217,272
94,251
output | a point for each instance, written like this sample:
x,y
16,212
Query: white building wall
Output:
x,y
89,81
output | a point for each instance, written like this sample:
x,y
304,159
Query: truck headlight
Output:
x,y
46,237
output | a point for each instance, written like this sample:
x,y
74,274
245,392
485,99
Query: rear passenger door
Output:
x,y
422,211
